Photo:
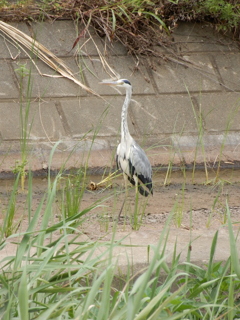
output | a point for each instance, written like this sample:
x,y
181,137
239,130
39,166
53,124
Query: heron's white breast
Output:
x,y
124,165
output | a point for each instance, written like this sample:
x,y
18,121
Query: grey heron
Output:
x,y
130,157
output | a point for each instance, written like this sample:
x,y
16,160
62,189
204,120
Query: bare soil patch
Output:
x,y
198,209
195,205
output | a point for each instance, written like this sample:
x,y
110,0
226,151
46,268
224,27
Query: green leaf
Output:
x,y
233,246
23,296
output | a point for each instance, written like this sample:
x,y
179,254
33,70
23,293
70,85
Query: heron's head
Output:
x,y
119,83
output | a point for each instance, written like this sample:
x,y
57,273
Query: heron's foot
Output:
x,y
124,221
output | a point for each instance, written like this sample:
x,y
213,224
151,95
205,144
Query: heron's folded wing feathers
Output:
x,y
140,165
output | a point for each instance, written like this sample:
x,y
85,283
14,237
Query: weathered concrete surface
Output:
x,y
188,112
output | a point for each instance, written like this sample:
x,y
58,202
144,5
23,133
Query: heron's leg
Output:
x,y
136,186
119,215
126,195
136,198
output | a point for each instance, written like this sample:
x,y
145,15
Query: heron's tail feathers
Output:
x,y
145,192
142,191
142,188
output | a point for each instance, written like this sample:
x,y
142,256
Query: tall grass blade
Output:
x,y
153,303
231,300
113,21
212,252
29,195
147,13
23,296
8,227
25,244
139,286
233,246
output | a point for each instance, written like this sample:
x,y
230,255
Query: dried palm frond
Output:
x,y
28,44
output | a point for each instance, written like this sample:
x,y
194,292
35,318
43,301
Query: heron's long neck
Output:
x,y
124,126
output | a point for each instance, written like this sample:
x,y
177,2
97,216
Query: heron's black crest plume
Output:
x,y
126,81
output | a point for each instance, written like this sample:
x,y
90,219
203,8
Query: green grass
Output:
x,y
9,225
57,273
25,128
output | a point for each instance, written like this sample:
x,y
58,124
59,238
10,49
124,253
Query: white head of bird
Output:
x,y
124,83
118,83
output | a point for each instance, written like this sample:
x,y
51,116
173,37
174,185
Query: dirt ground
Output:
x,y
194,203
198,209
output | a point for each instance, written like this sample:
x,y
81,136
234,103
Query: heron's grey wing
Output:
x,y
140,165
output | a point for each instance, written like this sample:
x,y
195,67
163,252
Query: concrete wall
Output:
x,y
185,107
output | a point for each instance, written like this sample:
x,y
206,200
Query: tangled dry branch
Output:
x,y
139,27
